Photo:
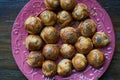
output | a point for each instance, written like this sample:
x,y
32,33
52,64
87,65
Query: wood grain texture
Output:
x,y
9,9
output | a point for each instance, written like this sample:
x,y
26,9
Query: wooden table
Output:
x,y
8,12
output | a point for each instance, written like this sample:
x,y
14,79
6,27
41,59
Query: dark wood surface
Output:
x,y
8,12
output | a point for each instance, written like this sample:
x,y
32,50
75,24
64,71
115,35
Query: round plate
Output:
x,y
20,53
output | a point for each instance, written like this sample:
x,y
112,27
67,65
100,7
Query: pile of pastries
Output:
x,y
78,47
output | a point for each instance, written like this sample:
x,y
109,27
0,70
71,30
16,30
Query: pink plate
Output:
x,y
34,7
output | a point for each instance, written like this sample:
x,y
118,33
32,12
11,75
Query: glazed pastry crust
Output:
x,y
52,4
67,4
50,35
48,18
33,25
64,67
49,68
87,28
84,45
35,59
96,58
33,42
68,35
80,11
79,62
51,51
100,39
67,51
64,18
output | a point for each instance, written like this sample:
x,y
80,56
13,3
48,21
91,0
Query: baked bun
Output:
x,y
67,51
51,51
48,18
35,59
50,35
33,25
33,42
68,35
52,4
87,28
80,11
84,45
64,18
79,62
67,4
100,39
64,67
96,58
49,68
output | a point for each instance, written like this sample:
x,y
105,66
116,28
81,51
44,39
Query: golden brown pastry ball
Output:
x,y
48,18
51,51
33,42
100,39
52,4
87,28
67,4
35,59
33,25
68,35
64,67
50,35
80,11
64,18
96,58
84,45
79,62
49,68
67,51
